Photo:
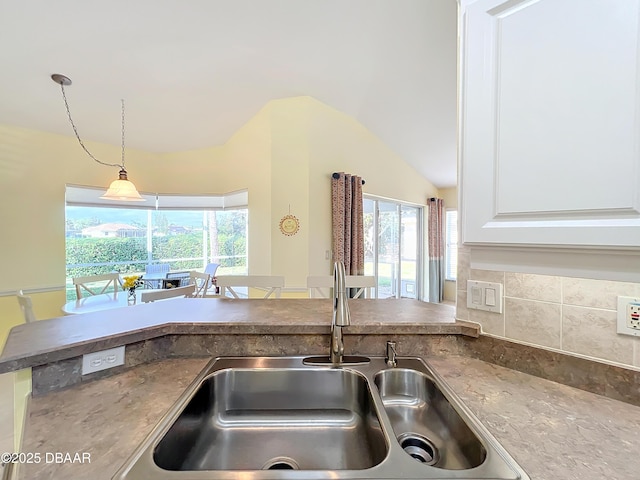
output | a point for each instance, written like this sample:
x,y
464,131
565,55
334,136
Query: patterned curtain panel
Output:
x,y
347,221
436,249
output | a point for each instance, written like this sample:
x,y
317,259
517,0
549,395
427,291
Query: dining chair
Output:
x,y
321,286
26,305
201,281
152,296
363,285
271,283
91,284
211,269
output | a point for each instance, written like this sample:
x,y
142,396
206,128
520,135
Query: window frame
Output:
x,y
450,247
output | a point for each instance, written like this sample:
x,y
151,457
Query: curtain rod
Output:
x,y
336,175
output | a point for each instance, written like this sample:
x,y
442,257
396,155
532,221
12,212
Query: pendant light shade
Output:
x,y
122,189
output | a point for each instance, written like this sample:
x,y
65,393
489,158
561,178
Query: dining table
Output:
x,y
102,301
160,279
153,280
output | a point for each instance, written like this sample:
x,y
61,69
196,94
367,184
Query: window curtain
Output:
x,y
436,249
347,222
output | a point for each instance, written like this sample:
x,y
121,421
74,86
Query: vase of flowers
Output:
x,y
130,284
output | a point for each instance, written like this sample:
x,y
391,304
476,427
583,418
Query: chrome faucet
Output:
x,y
391,357
341,317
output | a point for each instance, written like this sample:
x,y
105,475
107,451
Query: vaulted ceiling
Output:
x,y
194,71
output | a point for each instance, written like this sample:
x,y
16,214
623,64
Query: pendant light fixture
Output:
x,y
120,189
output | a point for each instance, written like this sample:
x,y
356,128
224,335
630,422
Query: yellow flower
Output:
x,y
131,281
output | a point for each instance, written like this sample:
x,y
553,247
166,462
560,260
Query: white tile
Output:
x,y
592,332
491,322
545,288
533,322
586,292
486,276
462,312
463,269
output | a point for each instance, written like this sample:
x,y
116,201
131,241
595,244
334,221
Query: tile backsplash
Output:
x,y
572,315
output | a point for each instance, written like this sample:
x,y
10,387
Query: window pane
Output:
x,y
393,239
177,239
451,256
409,252
126,240
227,239
369,236
103,240
388,249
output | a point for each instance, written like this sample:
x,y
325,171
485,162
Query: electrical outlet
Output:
x,y
633,315
102,360
484,296
629,316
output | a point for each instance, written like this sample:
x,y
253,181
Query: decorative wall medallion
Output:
x,y
289,225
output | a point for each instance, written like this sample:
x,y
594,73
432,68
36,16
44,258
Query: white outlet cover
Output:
x,y
102,360
623,302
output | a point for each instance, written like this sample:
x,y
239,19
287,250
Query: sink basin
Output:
x,y
425,423
297,418
248,419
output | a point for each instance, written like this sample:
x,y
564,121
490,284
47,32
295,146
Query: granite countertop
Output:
x,y
61,338
552,431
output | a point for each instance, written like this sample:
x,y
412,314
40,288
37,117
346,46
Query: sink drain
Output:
x,y
419,447
281,463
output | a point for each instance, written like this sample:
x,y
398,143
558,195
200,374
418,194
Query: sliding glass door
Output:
x,y
392,247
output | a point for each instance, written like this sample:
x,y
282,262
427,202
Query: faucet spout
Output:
x,y
341,316
391,357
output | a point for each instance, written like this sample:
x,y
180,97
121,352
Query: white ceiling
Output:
x,y
194,71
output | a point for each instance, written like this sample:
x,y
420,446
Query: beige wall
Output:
x,y
15,387
284,156
295,144
6,412
352,149
450,197
571,315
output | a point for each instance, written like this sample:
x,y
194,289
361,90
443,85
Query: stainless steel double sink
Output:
x,y
262,418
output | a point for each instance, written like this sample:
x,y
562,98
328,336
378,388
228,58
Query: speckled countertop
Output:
x,y
60,338
553,431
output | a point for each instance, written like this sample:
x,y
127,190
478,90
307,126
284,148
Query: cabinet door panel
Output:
x,y
550,122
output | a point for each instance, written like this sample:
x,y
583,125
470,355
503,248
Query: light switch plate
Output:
x,y
484,296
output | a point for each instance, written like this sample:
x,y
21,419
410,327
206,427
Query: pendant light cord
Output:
x,y
75,130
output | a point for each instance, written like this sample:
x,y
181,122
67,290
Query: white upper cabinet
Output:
x,y
550,123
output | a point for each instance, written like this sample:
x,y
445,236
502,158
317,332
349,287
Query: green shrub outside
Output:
x,y
113,250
